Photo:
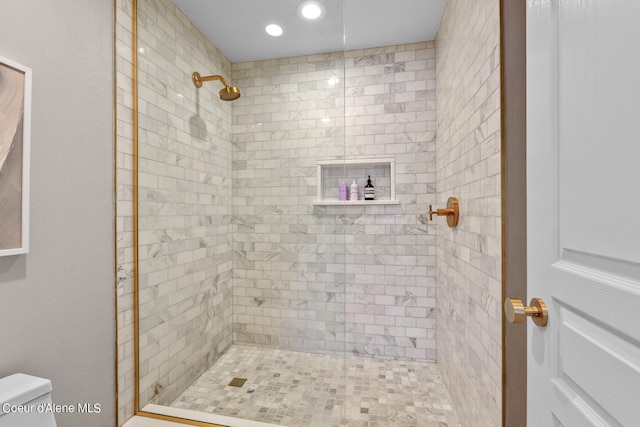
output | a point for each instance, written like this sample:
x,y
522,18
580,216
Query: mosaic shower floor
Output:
x,y
297,389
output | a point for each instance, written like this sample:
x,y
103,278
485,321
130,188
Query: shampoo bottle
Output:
x,y
354,191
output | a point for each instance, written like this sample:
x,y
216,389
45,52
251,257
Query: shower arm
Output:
x,y
198,79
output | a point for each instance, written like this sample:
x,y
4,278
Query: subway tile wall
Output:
x,y
390,112
184,209
468,167
124,209
301,271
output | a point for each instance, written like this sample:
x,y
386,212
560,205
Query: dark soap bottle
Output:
x,y
369,191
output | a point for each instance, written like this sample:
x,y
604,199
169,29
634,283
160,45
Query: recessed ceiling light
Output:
x,y
311,10
274,30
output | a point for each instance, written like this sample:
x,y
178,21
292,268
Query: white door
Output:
x,y
583,211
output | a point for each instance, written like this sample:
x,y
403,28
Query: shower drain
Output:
x,y
237,382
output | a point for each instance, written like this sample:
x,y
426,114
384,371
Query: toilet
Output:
x,y
25,401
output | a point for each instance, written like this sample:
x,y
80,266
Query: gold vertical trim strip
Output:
x,y
503,227
115,203
134,60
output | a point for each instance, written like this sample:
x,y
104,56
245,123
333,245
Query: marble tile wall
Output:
x,y
124,209
301,271
468,167
184,170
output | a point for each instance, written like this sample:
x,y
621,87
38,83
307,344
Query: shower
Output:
x,y
257,285
227,93
260,294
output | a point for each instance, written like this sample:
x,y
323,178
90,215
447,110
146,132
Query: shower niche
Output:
x,y
331,173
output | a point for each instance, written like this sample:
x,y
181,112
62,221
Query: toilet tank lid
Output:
x,y
17,389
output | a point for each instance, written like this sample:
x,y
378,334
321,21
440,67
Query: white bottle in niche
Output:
x,y
353,193
369,191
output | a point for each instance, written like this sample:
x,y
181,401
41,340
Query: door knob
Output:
x,y
516,311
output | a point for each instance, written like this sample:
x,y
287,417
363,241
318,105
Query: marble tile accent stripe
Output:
x,y
298,389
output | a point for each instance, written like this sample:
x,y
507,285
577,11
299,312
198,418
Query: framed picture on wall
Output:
x,y
15,133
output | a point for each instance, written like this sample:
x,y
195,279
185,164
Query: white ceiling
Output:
x,y
236,27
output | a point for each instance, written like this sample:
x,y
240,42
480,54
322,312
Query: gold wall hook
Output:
x,y
517,312
452,212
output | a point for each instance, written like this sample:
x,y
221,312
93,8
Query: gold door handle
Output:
x,y
451,212
516,311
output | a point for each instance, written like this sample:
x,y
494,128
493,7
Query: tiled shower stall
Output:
x,y
233,248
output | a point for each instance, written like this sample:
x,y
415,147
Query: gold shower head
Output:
x,y
228,93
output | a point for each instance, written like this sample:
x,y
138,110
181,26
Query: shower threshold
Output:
x,y
204,417
299,389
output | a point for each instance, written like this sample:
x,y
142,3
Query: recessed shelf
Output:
x,y
355,202
331,172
